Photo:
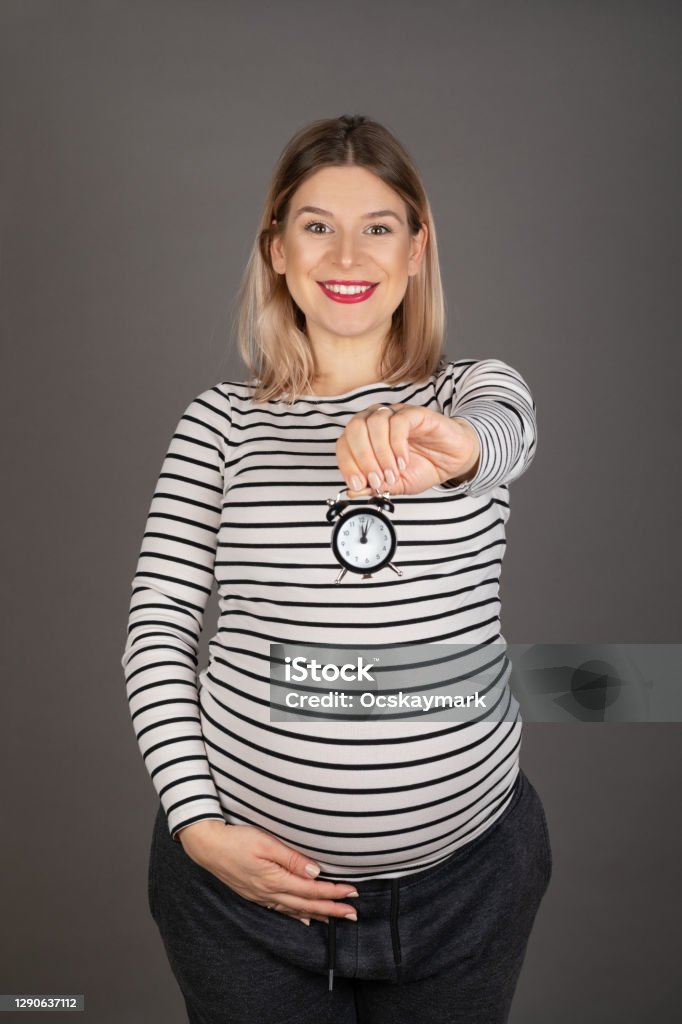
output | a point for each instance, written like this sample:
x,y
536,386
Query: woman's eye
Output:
x,y
319,223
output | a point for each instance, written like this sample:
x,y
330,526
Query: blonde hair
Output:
x,y
270,332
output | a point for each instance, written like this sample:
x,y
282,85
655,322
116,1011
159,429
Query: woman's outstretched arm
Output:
x,y
495,400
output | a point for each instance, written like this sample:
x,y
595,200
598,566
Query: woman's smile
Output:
x,y
348,292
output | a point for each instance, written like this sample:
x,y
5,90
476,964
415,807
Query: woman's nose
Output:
x,y
348,249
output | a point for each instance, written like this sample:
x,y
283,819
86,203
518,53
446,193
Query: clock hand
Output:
x,y
363,538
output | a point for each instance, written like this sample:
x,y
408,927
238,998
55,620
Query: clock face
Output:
x,y
363,540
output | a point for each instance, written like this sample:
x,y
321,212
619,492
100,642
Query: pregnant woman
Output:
x,y
345,870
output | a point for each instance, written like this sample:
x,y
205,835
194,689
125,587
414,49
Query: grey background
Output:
x,y
137,140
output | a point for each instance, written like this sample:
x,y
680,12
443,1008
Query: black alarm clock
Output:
x,y
364,539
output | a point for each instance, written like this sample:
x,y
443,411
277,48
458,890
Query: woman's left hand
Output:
x,y
418,446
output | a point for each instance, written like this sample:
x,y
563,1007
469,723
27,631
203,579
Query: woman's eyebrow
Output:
x,y
328,213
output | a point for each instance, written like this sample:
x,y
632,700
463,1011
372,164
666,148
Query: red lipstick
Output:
x,y
360,297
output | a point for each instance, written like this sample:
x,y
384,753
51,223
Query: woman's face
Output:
x,y
358,234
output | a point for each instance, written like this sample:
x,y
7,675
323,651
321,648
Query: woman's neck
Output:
x,y
344,364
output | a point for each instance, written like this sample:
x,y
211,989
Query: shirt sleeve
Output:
x,y
495,399
170,591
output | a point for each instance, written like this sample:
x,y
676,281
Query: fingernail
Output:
x,y
312,870
354,893
305,920
401,463
388,473
374,480
351,917
355,483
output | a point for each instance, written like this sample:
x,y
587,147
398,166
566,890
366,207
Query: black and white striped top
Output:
x,y
241,498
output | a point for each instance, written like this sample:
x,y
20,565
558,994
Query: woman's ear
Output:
x,y
417,249
277,253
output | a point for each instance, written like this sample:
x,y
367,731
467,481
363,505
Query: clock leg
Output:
x,y
341,575
395,569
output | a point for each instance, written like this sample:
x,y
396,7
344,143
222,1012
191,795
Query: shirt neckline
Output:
x,y
363,388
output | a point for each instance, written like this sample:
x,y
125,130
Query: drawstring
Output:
x,y
395,936
331,950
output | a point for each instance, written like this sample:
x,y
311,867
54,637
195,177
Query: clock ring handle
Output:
x,y
336,506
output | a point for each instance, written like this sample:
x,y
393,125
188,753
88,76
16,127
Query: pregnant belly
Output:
x,y
364,800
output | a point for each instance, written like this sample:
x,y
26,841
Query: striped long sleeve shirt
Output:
x,y
241,502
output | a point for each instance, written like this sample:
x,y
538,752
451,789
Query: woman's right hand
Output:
x,y
262,868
